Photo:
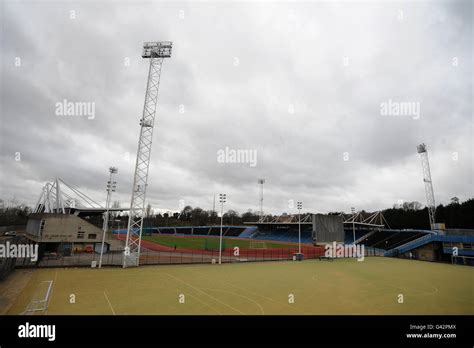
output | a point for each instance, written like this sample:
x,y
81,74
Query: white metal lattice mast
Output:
x,y
430,200
156,52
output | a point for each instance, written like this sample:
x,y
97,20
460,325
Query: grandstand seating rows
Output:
x,y
248,232
228,231
284,236
381,239
384,241
349,235
463,242
389,239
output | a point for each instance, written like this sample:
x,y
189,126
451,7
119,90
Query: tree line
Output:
x,y
456,214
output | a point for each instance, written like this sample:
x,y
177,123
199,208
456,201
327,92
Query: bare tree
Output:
x,y
115,205
148,211
411,206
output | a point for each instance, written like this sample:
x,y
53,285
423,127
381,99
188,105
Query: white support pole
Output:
x,y
353,233
110,189
220,238
353,226
299,233
41,201
58,196
222,197
299,205
261,182
59,193
48,205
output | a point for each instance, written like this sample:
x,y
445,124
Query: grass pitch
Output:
x,y
200,243
319,287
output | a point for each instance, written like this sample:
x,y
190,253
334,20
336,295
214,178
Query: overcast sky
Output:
x,y
301,84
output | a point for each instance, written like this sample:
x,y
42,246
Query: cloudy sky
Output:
x,y
301,85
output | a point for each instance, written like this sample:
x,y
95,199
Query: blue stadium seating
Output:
x,y
284,236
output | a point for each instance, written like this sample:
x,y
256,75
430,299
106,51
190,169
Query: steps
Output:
x,y
410,245
364,237
248,232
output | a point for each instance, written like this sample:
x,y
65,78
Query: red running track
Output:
x,y
308,251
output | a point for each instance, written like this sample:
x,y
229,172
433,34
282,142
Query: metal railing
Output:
x,y
151,257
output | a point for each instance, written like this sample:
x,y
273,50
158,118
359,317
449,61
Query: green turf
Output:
x,y
319,287
199,243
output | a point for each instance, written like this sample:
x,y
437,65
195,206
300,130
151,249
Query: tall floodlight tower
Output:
x,y
156,52
261,182
430,201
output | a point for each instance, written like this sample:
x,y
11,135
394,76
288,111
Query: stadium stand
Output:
x,y
184,230
388,239
234,231
248,232
463,243
349,237
166,230
284,236
229,231
216,231
401,238
419,244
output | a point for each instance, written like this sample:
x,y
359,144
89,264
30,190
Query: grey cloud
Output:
x,y
290,55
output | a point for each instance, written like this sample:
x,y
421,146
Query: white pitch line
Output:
x,y
51,294
110,304
203,292
239,295
262,296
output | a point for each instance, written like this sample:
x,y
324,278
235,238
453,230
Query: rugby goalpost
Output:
x,y
40,301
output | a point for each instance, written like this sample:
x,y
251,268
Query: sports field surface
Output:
x,y
342,286
201,243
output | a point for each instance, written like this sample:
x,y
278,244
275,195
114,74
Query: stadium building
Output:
x,y
373,231
65,221
77,231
